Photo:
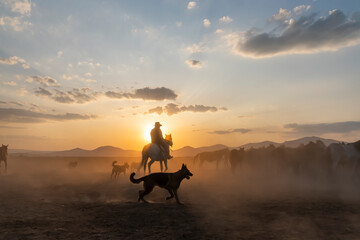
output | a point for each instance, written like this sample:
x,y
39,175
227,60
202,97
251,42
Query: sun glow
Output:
x,y
147,130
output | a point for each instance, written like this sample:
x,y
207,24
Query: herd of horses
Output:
x,y
313,157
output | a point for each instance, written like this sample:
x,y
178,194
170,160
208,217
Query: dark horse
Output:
x,y
154,152
3,155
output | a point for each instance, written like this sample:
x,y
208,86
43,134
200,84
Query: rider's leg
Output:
x,y
167,149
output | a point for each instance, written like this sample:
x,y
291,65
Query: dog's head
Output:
x,y
186,171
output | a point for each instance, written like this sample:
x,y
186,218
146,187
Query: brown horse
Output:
x,y
3,155
215,156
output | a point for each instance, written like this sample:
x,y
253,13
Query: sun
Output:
x,y
147,129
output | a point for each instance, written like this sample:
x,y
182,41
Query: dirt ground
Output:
x,y
44,199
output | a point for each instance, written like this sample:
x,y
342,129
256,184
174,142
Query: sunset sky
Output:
x,y
93,73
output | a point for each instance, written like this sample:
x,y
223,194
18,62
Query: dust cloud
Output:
x,y
45,198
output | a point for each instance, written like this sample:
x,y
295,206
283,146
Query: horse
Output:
x,y
236,158
215,156
3,155
344,154
154,152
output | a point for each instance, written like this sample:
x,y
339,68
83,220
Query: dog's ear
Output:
x,y
183,166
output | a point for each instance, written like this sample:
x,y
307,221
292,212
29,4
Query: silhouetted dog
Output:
x,y
117,169
169,181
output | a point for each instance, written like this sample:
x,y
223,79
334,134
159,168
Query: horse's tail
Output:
x,y
113,163
133,180
144,155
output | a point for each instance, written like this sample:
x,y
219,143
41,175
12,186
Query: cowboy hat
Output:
x,y
157,124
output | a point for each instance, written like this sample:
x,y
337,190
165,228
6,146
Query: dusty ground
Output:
x,y
43,199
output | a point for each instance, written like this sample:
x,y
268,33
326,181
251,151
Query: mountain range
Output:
x,y
187,151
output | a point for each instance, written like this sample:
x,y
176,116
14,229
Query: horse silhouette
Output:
x,y
3,155
215,156
344,154
155,153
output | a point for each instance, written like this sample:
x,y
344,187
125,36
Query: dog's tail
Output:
x,y
133,180
113,163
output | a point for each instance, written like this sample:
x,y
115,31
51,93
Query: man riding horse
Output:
x,y
157,138
158,149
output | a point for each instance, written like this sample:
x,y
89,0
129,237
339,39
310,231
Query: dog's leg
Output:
x,y
148,189
112,174
171,194
177,198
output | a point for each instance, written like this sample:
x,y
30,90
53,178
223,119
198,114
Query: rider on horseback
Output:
x,y
157,138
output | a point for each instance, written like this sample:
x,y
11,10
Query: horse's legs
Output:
x,y
161,165
166,168
149,165
144,161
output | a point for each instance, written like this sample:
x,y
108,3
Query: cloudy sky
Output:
x,y
92,73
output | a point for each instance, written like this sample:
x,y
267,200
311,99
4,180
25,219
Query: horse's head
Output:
x,y
168,139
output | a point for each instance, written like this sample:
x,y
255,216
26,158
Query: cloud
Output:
x,y
22,7
11,60
194,63
236,130
16,23
89,63
160,93
172,109
14,60
323,128
59,53
11,127
191,5
206,22
76,95
178,24
303,36
42,92
10,83
66,77
299,9
157,110
281,15
225,19
196,48
26,116
43,80
25,66
22,91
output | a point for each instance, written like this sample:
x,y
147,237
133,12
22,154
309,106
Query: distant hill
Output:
x,y
104,151
292,143
260,144
188,151
305,140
